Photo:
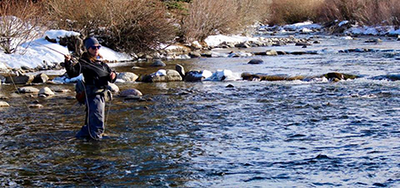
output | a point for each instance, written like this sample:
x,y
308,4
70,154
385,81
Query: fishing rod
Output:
x,y
50,48
98,69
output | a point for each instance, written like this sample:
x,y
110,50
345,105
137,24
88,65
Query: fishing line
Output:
x,y
15,86
84,87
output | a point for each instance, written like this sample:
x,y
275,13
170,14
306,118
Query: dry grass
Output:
x,y
292,11
207,17
368,12
126,25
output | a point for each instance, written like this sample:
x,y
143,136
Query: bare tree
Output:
x,y
19,23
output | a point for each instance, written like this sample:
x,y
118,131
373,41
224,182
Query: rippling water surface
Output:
x,y
255,134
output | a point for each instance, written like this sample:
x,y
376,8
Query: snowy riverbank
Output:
x,y
42,53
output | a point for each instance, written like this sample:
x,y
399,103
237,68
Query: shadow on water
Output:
x,y
267,134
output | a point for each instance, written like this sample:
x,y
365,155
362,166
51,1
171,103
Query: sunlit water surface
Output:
x,y
256,134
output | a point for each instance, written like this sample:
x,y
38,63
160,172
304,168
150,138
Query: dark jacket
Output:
x,y
95,72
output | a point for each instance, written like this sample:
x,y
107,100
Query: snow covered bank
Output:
x,y
309,27
375,31
215,40
40,52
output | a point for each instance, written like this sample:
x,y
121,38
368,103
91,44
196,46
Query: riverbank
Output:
x,y
46,53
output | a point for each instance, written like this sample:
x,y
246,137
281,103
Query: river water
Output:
x,y
255,134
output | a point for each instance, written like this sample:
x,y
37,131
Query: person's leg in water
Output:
x,y
94,127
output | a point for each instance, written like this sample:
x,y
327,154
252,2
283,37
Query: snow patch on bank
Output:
x,y
373,30
215,40
308,25
57,34
40,51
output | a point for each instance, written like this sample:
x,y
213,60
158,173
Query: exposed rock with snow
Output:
x,y
221,75
196,76
196,45
163,76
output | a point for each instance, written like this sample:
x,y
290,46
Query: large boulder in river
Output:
x,y
127,76
163,76
197,76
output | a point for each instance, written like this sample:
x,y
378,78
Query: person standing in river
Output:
x,y
96,75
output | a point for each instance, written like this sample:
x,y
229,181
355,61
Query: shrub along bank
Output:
x,y
134,26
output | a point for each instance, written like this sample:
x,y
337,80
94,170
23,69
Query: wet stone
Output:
x,y
40,78
130,92
28,90
4,104
127,76
158,63
113,87
35,106
46,92
256,61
